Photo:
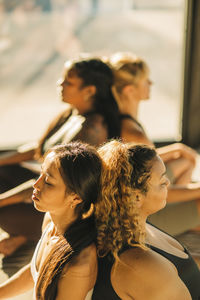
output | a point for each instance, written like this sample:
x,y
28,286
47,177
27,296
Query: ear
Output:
x,y
139,200
128,89
90,91
75,200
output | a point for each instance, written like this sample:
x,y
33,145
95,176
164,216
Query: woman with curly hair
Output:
x,y
91,116
64,265
132,85
137,260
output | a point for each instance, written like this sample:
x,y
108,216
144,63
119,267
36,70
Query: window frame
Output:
x,y
191,87
190,118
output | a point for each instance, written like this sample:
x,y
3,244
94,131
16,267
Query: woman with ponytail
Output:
x,y
64,264
137,260
132,86
91,116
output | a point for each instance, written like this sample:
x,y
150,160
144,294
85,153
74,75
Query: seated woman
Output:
x,y
132,85
64,265
136,259
85,85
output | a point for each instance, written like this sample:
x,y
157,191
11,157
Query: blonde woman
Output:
x,y
137,260
132,85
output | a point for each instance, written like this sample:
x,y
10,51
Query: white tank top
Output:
x,y
34,271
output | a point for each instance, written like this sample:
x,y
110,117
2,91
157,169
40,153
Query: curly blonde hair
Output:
x,y
126,167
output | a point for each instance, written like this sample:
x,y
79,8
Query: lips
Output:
x,y
35,196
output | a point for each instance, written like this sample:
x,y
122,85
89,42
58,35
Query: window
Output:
x,y
36,37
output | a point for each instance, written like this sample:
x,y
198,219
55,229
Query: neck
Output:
x,y
143,221
129,106
143,218
62,221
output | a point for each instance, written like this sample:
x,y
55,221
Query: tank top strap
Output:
x,y
66,132
127,116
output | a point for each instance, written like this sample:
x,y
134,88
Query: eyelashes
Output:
x,y
47,183
164,183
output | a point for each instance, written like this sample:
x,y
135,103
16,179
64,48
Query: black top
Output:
x,y
187,270
127,116
63,130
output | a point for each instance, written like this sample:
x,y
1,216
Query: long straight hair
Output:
x,y
96,72
80,167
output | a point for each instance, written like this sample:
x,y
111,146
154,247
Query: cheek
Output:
x,y
163,193
158,193
146,89
143,92
68,92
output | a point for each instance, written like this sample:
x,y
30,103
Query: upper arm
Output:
x,y
151,277
78,277
176,150
14,157
17,284
75,285
168,152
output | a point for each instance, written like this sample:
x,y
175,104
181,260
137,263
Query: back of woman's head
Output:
x,y
80,167
128,69
126,168
93,71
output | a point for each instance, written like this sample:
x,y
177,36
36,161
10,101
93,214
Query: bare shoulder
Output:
x,y
79,276
85,263
146,274
94,130
132,132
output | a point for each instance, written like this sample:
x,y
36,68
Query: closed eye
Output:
x,y
164,183
46,182
66,82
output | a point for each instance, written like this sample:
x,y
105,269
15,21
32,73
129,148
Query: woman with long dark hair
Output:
x,y
64,265
91,117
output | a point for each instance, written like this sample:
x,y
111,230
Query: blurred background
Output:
x,y
37,36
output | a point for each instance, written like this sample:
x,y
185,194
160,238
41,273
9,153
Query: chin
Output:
x,y
63,99
160,207
146,98
39,208
163,204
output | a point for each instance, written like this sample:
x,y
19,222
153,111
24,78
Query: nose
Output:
x,y
60,82
37,185
168,182
150,82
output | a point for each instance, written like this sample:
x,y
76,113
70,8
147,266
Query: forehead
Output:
x,y
71,73
158,168
51,165
144,76
73,77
